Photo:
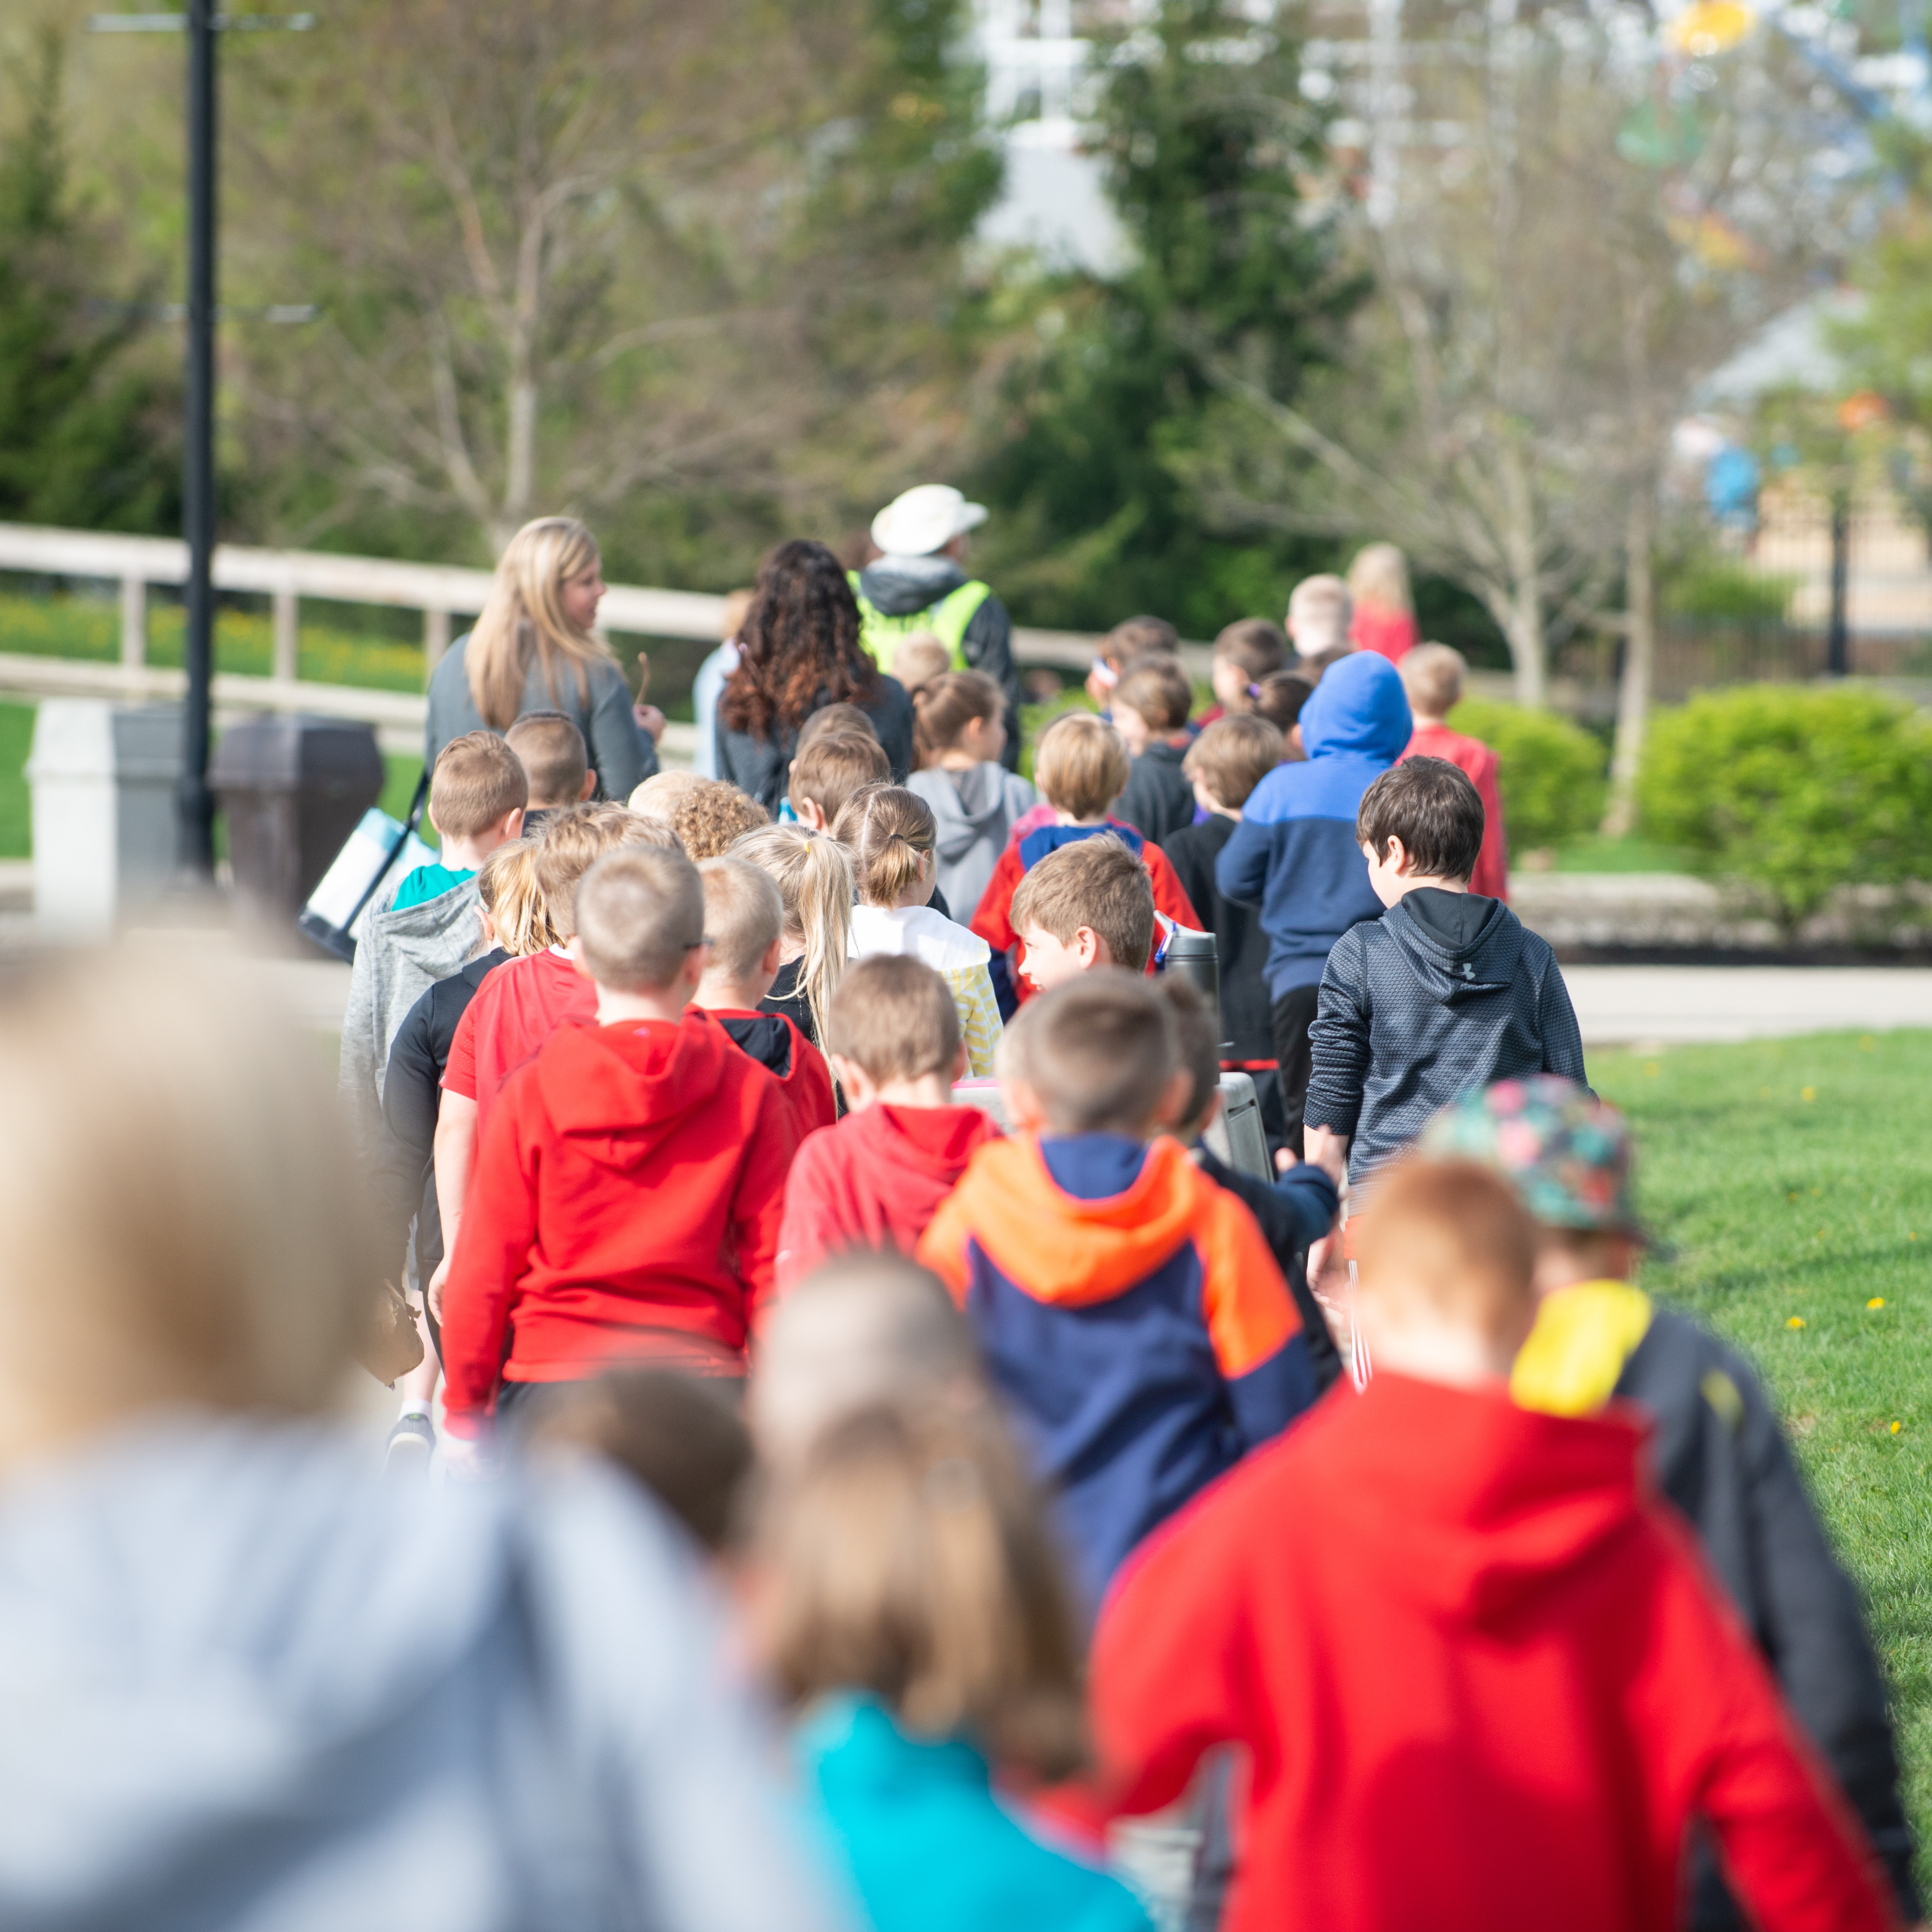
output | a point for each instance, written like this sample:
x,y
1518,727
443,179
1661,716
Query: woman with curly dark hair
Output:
x,y
798,652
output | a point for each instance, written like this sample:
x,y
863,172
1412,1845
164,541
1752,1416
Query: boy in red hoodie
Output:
x,y
1481,1678
744,933
1433,675
627,1195
874,1180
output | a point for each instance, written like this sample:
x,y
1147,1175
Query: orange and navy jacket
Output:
x,y
1133,1318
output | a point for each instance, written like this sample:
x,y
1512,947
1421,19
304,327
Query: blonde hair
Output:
x,y
523,619
201,1240
1319,611
477,780
507,884
1098,1053
660,795
1096,883
568,845
813,873
1451,1235
890,833
709,815
910,1558
921,657
640,916
1432,675
894,1017
551,749
1081,766
744,916
1379,578
1233,755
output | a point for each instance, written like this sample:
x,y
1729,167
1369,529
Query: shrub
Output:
x,y
1549,771
1792,791
1720,590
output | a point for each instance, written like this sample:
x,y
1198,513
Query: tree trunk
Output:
x,y
1528,646
1640,658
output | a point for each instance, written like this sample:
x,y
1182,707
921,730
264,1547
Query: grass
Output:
x,y
1594,853
1787,1178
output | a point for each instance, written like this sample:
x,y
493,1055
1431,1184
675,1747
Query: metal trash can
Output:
x,y
292,789
104,778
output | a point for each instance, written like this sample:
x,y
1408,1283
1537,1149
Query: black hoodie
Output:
x,y
1445,993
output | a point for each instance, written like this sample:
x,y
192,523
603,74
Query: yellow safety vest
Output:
x,y
946,620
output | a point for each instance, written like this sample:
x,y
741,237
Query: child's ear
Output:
x,y
590,785
1024,1114
769,965
511,826
429,812
962,1064
573,951
1174,1099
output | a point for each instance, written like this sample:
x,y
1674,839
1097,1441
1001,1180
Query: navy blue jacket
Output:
x,y
1294,853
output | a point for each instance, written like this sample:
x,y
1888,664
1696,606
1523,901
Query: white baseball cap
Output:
x,y
924,519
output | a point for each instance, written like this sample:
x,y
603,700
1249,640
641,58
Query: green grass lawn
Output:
x,y
1793,1180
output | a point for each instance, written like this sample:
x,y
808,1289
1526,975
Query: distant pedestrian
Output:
x,y
1319,609
1383,618
1432,675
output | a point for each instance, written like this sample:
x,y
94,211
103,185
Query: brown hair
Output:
x,y
1259,645
944,705
744,917
910,1557
894,1017
1080,764
640,915
523,619
675,1435
1432,807
709,816
889,831
798,645
813,873
1433,675
920,657
1135,636
1232,756
552,751
1452,1234
833,766
1097,1052
1197,1042
836,717
568,843
1157,690
1318,610
476,781
1096,883
1279,698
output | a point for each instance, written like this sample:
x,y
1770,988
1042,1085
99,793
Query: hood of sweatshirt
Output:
x,y
1069,1251
435,936
1457,944
935,1141
618,1093
766,1037
896,587
1359,706
970,804
1504,1505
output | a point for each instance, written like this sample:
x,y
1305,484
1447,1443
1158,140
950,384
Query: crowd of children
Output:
x,y
833,1166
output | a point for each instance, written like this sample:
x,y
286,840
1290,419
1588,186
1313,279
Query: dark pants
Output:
x,y
1292,1015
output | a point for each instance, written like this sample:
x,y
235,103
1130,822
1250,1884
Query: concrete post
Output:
x,y
286,659
133,622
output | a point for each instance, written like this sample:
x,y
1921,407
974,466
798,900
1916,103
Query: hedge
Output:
x,y
1550,771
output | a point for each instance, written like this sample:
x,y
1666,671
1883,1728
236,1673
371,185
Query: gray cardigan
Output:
x,y
622,752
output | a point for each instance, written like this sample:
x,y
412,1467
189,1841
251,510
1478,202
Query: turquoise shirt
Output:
x,y
427,882
928,1846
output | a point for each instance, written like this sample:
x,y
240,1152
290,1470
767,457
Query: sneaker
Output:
x,y
411,1443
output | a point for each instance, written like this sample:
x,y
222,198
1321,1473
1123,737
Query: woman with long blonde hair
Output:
x,y
1383,620
534,648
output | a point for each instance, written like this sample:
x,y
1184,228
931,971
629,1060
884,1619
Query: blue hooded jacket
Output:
x,y
1293,853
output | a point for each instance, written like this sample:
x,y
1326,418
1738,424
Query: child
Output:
x,y
921,657
1279,698
1446,992
959,732
1294,854
1247,651
1132,638
744,929
1719,1454
628,1190
874,1180
662,793
711,815
831,767
892,834
1085,906
1224,765
1383,619
1130,1313
1081,767
1478,1677
427,928
1319,609
551,750
813,873
1150,711
915,1617
1433,674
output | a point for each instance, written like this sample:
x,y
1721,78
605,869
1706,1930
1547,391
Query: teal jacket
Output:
x,y
927,1846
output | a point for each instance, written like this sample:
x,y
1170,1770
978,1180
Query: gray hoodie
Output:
x,y
976,809
399,956
251,1688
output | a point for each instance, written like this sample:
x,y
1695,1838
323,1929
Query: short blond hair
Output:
x,y
833,766
710,815
552,752
1319,611
744,916
921,657
640,915
1098,1053
1081,765
1096,883
660,795
477,780
1433,675
894,1016
890,832
1233,755
568,843
1451,1235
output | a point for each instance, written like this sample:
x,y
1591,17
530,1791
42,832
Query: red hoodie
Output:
x,y
776,1044
1473,757
625,1207
1481,1679
874,1181
517,1008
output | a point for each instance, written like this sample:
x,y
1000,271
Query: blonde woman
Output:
x,y
1383,620
534,648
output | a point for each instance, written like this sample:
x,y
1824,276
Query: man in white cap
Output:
x,y
918,584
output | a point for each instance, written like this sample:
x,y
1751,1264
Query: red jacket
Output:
x,y
1481,1678
1491,876
994,924
874,1181
1389,634
625,1207
776,1044
517,1008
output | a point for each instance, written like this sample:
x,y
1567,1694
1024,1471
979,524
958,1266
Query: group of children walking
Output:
x,y
882,1125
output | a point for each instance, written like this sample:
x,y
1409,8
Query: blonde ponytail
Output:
x,y
891,832
814,876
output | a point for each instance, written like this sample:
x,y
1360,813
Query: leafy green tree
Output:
x,y
88,426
